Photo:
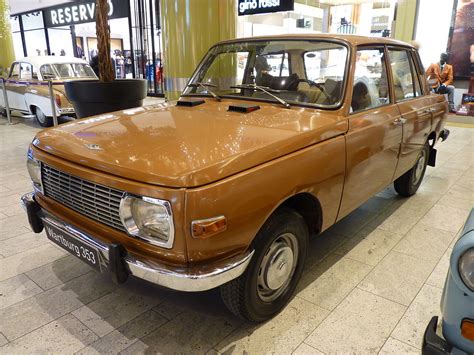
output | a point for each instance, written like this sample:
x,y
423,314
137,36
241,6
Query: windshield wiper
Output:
x,y
264,89
206,86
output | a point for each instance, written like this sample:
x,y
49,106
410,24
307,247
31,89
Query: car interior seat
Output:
x,y
360,97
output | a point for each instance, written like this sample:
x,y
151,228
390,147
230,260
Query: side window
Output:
x,y
26,71
278,64
15,73
401,74
370,80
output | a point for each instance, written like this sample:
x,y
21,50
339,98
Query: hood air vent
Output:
x,y
244,108
190,102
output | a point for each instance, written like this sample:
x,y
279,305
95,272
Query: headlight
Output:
x,y
466,268
34,169
149,219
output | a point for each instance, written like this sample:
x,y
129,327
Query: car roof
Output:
x,y
354,40
50,59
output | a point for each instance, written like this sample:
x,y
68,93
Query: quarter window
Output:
x,y
15,73
370,88
416,76
402,74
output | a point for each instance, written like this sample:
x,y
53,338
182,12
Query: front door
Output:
x,y
375,131
16,86
413,104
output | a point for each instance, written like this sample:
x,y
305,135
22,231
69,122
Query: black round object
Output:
x,y
92,97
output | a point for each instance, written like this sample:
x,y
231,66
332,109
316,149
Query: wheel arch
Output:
x,y
32,109
309,207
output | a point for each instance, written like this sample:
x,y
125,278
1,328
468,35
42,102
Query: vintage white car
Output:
x,y
27,85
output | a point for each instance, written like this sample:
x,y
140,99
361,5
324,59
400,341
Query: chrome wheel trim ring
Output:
x,y
277,267
40,116
420,165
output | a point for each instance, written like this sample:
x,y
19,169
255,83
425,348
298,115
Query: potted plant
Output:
x,y
93,97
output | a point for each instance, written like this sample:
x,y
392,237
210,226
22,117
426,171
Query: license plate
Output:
x,y
86,253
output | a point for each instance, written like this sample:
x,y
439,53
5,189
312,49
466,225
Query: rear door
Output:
x,y
413,104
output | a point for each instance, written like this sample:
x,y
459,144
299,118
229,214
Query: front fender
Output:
x,y
42,102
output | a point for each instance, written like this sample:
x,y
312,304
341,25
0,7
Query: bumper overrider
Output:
x,y
433,344
113,258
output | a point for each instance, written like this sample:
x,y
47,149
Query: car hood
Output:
x,y
177,146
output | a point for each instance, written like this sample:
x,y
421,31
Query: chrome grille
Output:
x,y
92,200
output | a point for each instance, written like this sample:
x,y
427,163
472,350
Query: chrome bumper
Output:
x,y
189,279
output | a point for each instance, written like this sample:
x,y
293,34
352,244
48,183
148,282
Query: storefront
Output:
x,y
361,17
69,29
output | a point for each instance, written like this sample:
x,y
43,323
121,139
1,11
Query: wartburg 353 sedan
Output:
x,y
274,140
27,85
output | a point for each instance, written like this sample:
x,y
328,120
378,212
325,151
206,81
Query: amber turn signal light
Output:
x,y
467,329
204,228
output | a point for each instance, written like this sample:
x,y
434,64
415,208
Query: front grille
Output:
x,y
92,200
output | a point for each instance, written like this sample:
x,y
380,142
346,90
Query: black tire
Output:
x,y
42,119
242,296
407,184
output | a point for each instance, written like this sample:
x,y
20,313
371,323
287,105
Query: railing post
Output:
x,y
53,106
5,99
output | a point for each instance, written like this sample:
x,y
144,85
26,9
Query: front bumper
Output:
x,y
433,344
121,264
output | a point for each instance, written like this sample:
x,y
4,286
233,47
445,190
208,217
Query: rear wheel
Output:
x,y
271,277
42,119
407,184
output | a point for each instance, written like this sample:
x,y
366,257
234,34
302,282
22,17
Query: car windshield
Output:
x,y
296,71
66,71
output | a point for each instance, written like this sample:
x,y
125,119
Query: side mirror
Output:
x,y
48,76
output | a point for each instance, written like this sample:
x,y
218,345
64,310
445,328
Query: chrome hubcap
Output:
x,y
420,165
277,267
40,115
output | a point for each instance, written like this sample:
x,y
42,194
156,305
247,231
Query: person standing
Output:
x,y
443,73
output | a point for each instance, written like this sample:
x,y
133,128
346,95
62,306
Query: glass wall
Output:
x,y
135,40
362,17
146,39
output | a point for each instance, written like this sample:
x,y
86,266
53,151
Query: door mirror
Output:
x,y
48,76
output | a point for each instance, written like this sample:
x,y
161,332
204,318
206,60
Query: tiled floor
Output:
x,y
371,284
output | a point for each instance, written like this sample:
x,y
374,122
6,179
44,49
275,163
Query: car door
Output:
x,y
14,87
413,105
375,130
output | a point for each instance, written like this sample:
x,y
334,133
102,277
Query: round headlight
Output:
x,y
149,219
466,268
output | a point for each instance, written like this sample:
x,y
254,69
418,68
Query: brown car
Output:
x,y
273,141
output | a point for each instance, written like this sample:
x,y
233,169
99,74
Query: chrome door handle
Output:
x,y
399,121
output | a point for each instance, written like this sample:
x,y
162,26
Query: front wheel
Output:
x,y
271,277
42,119
407,184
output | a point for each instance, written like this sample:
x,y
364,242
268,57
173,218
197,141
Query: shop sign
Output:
x,y
250,7
74,13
